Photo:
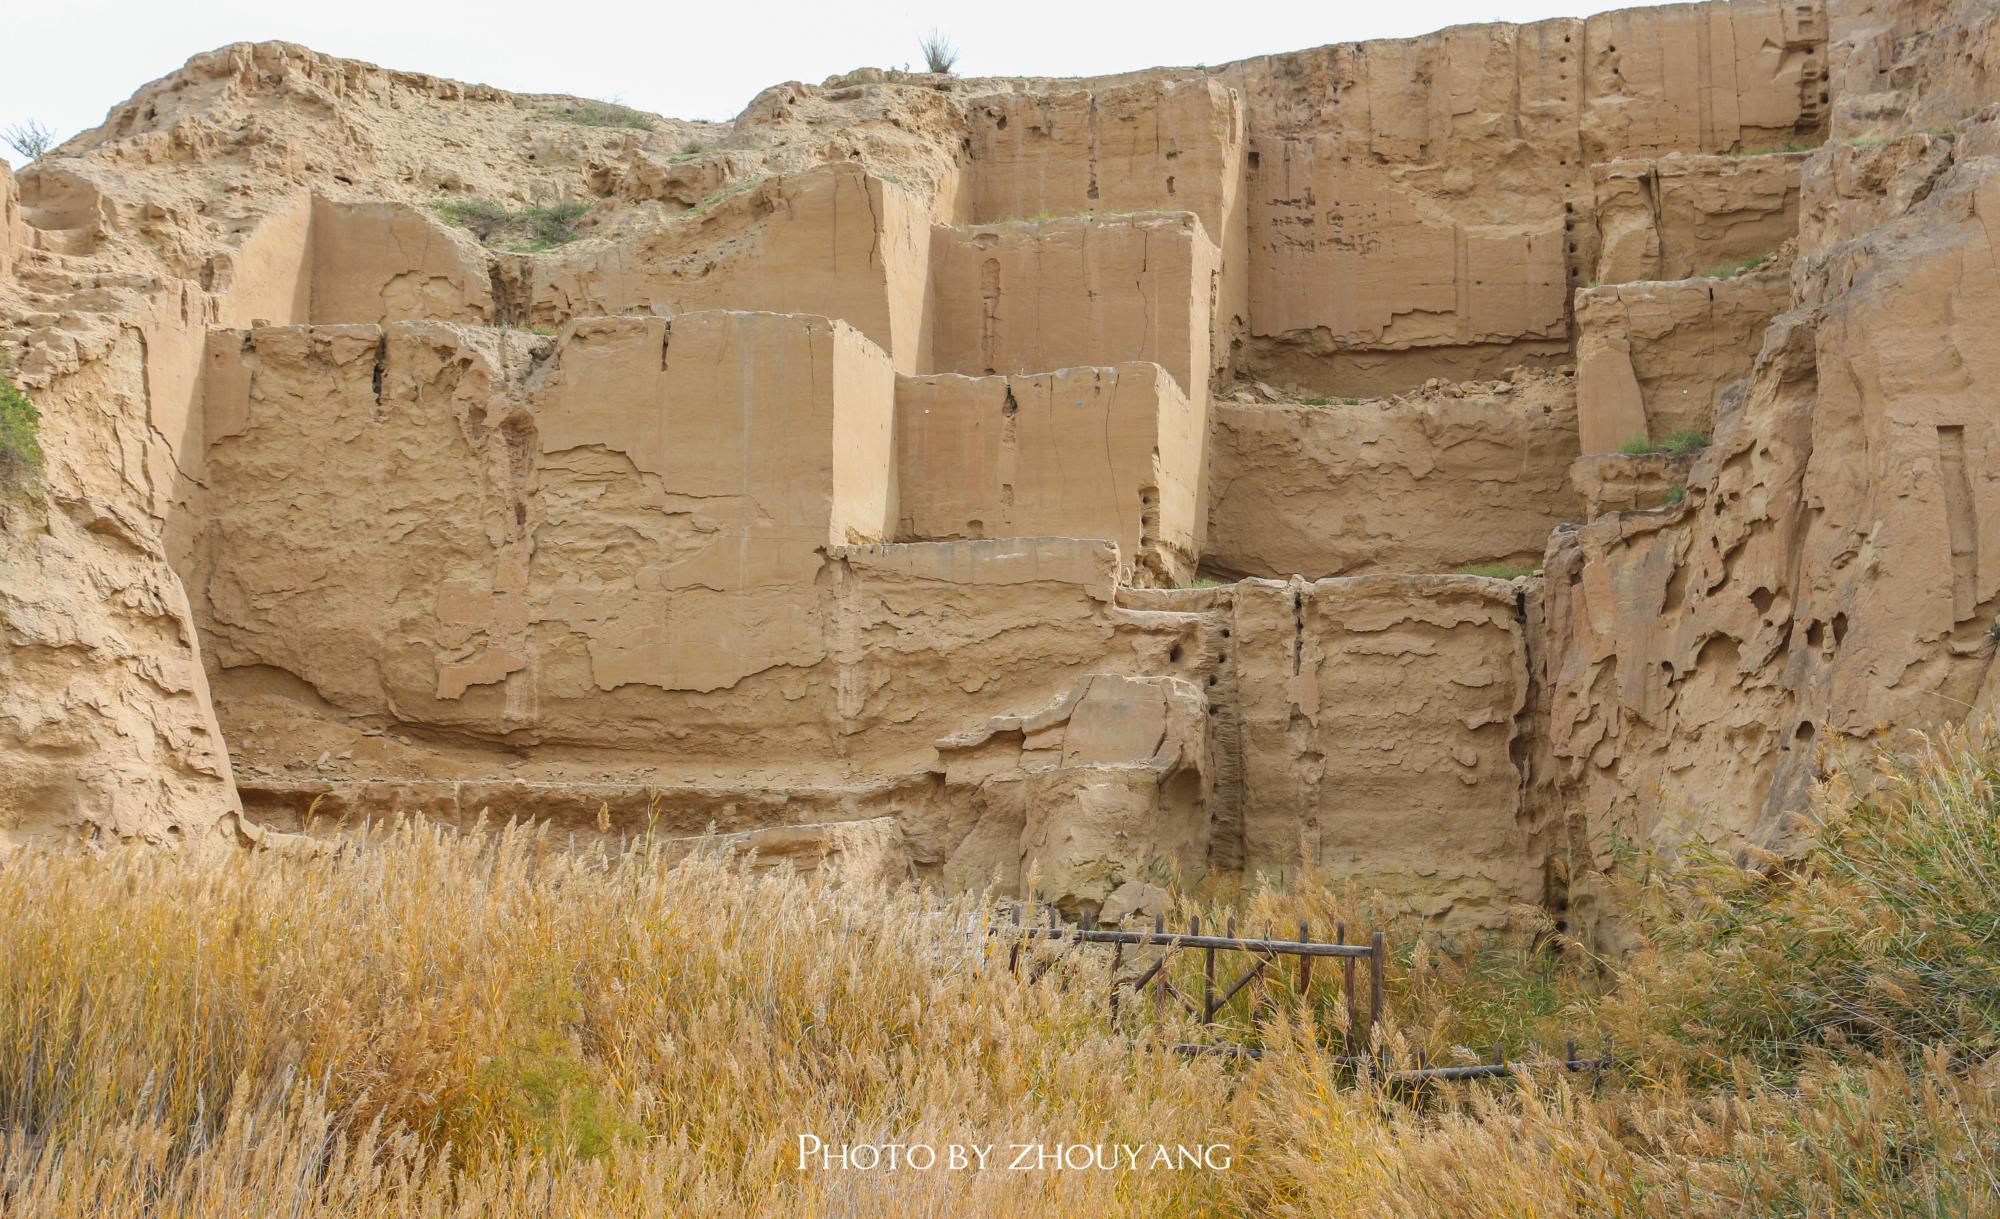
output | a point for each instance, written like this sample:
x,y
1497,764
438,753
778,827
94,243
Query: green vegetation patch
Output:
x,y
528,230
598,114
1879,937
1677,444
1787,146
726,193
1730,270
20,439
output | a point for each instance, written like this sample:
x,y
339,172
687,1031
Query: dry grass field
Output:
x,y
427,1023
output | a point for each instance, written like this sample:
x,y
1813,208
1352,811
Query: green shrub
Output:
x,y
531,229
1315,402
939,55
1638,446
1685,444
20,438
598,114
1676,495
1730,270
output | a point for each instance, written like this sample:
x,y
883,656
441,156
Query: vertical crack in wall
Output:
x,y
1009,459
381,363
1961,523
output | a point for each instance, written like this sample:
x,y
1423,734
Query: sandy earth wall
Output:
x,y
640,535
1040,295
1680,216
1478,475
1380,718
1831,581
1654,358
583,560
1113,453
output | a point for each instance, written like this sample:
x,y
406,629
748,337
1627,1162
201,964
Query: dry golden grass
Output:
x,y
432,1024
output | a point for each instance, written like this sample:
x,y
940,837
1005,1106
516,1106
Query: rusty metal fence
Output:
x,y
1360,995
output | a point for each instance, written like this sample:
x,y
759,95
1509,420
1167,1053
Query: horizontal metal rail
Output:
x,y
1170,939
1484,1070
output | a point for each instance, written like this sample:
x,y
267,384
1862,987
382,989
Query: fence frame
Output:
x,y
1306,949
1361,1054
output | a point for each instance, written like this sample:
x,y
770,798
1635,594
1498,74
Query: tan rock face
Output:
x,y
1049,294
1109,452
1675,217
1429,483
1377,720
1830,581
1621,482
105,725
1653,358
853,477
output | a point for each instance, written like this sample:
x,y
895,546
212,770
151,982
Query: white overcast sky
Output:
x,y
70,62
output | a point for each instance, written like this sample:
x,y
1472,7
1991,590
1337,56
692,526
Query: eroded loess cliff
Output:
x,y
1069,484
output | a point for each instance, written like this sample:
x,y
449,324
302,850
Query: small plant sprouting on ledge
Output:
x,y
1676,496
1677,444
1202,582
20,438
1787,146
1993,632
529,230
598,114
30,139
1730,270
939,55
1496,571
726,192
1315,402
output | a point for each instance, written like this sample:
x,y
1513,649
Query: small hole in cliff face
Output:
x,y
1174,654
1839,629
1763,598
1225,632
1000,124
